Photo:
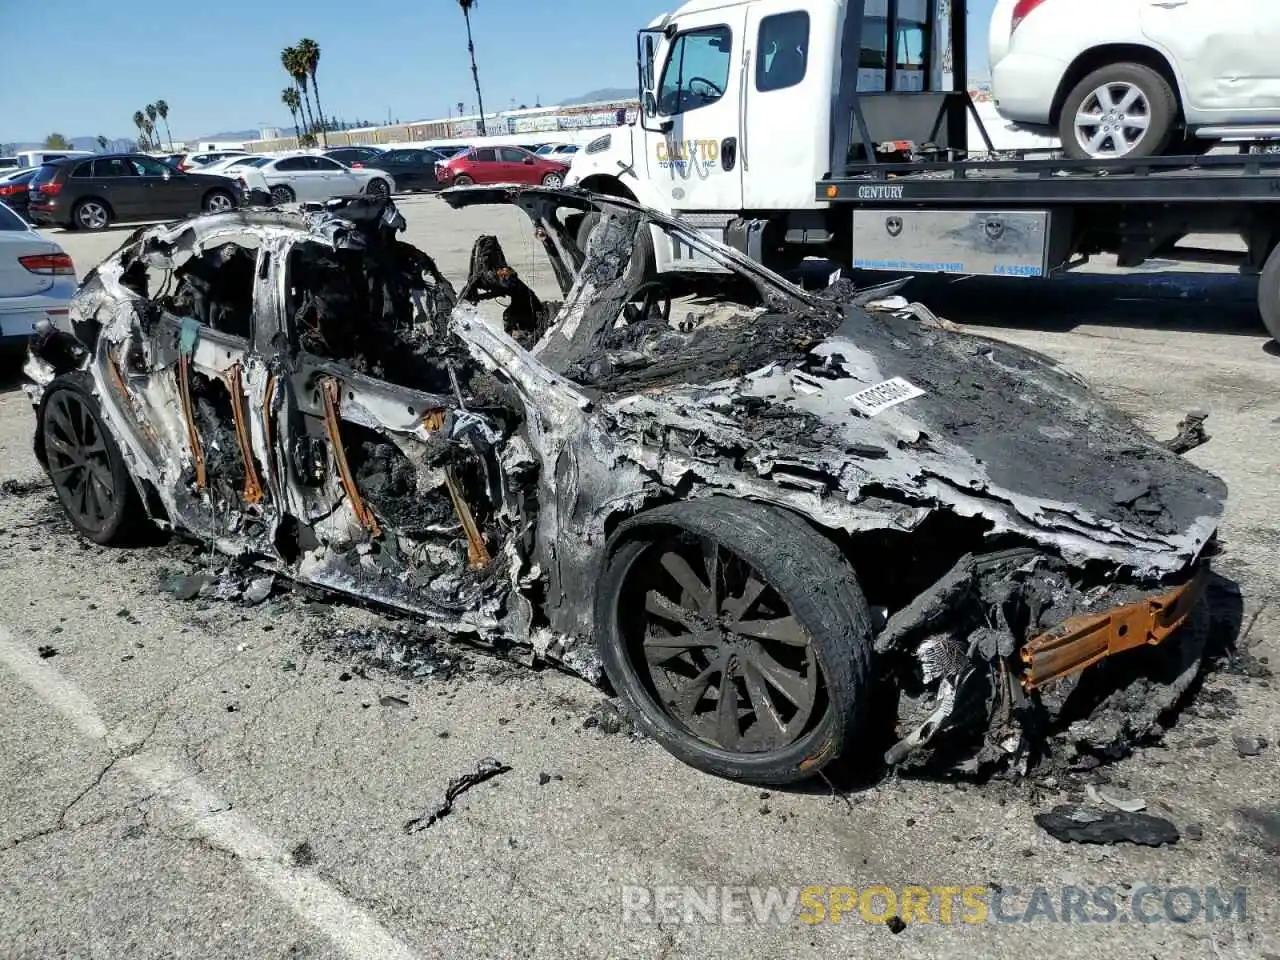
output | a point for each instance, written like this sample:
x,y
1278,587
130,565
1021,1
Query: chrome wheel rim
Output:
x,y
93,215
219,203
280,195
1113,120
552,180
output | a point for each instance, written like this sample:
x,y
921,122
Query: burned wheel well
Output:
x,y
609,186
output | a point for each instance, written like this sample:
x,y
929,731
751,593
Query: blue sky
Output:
x,y
218,64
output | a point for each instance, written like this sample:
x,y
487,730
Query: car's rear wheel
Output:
x,y
553,180
281,194
88,472
218,201
378,188
462,180
737,636
1120,110
91,215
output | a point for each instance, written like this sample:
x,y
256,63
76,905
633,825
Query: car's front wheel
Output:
x,y
462,180
738,637
91,215
1120,110
378,188
89,474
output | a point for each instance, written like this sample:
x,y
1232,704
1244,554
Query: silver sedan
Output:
x,y
309,177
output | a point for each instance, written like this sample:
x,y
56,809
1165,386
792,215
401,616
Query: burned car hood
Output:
x,y
887,408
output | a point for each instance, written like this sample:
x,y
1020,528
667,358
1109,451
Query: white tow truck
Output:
x,y
840,129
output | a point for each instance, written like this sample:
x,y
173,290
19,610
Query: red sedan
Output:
x,y
500,165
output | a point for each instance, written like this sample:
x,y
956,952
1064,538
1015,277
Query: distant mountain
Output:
x,y
605,93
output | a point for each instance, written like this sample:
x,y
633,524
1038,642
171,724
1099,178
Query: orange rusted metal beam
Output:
x,y
1082,641
189,415
477,553
252,485
331,391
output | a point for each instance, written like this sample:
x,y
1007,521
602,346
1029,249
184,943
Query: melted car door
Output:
x,y
395,490
189,390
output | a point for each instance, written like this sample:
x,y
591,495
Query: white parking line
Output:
x,y
352,929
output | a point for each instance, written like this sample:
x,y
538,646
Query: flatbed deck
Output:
x,y
1020,182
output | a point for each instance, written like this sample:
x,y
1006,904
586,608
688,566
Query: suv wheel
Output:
x,y
1121,110
91,215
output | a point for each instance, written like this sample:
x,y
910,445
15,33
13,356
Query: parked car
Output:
x,y
558,151
411,169
93,194
500,165
307,177
767,580
195,161
350,156
14,189
1134,78
230,166
37,280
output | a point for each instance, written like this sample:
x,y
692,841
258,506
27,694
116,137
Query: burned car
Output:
x,y
785,526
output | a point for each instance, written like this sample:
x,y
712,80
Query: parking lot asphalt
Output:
x,y
208,780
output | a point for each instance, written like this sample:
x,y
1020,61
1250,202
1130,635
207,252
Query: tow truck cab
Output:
x,y
744,104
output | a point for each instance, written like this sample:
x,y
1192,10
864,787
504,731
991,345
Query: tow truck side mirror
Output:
x,y
650,104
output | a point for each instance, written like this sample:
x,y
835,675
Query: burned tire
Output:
x,y
643,254
280,194
1120,110
697,592
1269,294
88,471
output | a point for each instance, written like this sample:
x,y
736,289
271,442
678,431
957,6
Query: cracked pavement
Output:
x,y
161,812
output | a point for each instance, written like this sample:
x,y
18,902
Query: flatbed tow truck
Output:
x,y
839,129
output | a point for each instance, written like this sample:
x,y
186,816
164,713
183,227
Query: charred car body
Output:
x,y
756,508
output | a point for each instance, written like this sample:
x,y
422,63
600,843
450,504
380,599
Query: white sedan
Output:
x,y
230,166
306,177
37,279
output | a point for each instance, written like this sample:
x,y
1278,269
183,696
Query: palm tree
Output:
x,y
293,64
289,96
466,6
140,121
162,108
102,143
152,113
309,53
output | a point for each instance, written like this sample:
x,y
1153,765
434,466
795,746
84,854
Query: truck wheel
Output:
x,y
737,636
1269,294
1121,110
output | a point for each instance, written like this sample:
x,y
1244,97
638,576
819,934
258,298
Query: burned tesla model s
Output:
x,y
756,508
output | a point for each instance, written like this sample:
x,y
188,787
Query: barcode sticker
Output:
x,y
882,396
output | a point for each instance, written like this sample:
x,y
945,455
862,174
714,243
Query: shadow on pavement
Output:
x,y
1184,302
